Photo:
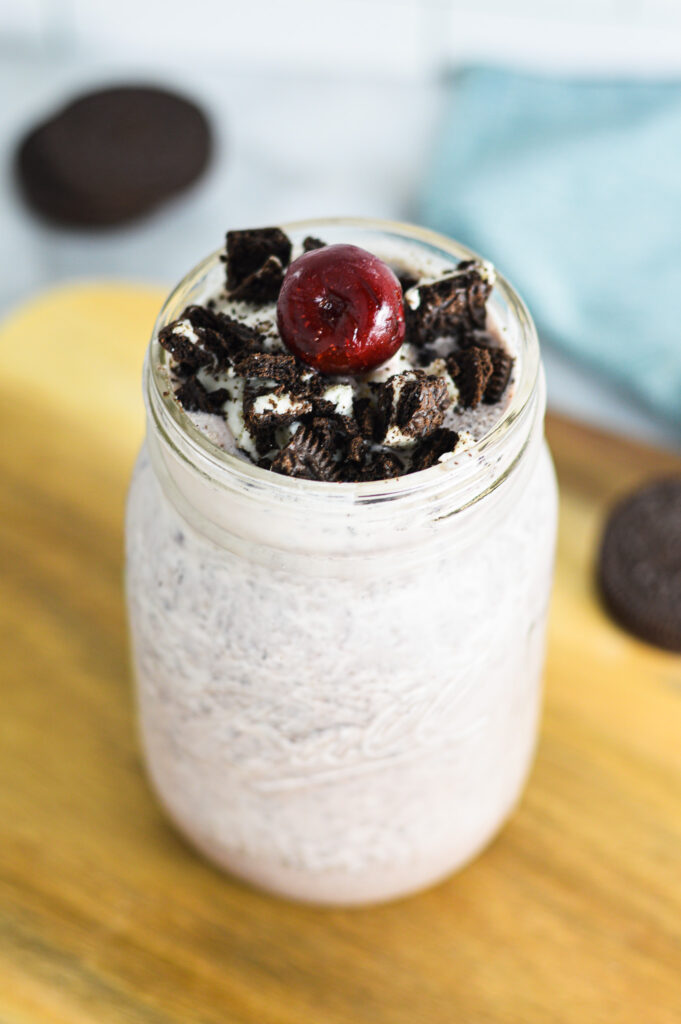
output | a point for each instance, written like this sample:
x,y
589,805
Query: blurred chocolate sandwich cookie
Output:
x,y
639,564
112,155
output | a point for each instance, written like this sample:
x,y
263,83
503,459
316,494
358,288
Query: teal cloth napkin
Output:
x,y
573,189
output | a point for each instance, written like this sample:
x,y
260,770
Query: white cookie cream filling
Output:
x,y
185,329
235,420
394,437
342,396
280,405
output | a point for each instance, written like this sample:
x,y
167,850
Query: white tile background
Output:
x,y
320,106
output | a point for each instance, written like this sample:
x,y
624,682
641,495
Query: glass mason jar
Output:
x,y
339,684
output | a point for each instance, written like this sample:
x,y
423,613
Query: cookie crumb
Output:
x,y
310,243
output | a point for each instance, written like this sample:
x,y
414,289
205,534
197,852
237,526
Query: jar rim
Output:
x,y
224,467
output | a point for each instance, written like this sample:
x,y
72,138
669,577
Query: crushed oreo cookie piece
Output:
x,y
310,243
219,348
454,305
247,252
239,337
188,356
322,408
203,317
479,281
194,397
421,405
341,430
306,455
326,429
231,342
411,405
502,367
433,447
262,285
219,340
471,369
338,435
279,367
264,410
356,450
307,381
368,419
382,466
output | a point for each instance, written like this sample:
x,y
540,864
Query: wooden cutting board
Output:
x,y
572,915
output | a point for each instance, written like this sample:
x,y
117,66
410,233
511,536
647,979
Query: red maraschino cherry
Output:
x,y
340,310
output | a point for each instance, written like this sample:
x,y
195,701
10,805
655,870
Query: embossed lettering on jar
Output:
x,y
339,684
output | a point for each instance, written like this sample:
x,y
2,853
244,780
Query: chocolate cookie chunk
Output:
x,y
382,466
454,305
306,455
248,251
471,369
275,366
502,365
193,397
268,409
429,451
368,419
236,338
339,437
411,405
113,155
639,564
188,356
262,285
421,406
214,340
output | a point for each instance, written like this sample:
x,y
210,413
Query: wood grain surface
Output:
x,y
572,916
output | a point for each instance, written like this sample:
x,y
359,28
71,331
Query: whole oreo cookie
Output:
x,y
111,156
639,565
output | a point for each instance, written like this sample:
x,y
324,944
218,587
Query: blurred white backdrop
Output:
x,y
319,106
402,36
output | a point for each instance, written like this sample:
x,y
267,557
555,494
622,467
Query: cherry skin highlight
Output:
x,y
340,310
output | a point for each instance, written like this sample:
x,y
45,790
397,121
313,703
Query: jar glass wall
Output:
x,y
339,684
